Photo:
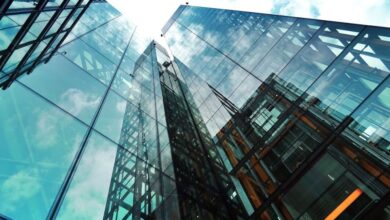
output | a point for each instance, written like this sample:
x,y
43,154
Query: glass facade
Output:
x,y
297,109
243,116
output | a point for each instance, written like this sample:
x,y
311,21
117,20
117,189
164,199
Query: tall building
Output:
x,y
243,116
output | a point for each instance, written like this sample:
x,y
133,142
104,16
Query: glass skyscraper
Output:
x,y
243,115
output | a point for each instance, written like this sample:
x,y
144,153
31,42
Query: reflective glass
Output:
x,y
15,58
78,93
231,81
20,18
285,49
54,3
127,86
6,22
370,128
127,65
113,116
312,186
117,32
41,46
103,46
351,79
34,137
90,60
23,4
315,57
7,35
88,192
245,90
122,122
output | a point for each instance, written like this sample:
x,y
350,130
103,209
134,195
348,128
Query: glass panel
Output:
x,y
113,116
23,4
54,3
370,128
87,195
117,32
20,18
232,81
103,47
78,93
34,137
263,42
127,65
246,89
6,22
37,51
123,122
127,86
310,187
351,79
315,57
6,36
15,58
90,60
286,48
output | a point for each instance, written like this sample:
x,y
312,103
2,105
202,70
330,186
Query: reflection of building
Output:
x,y
256,117
269,140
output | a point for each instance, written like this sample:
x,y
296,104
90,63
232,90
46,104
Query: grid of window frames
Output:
x,y
32,31
298,108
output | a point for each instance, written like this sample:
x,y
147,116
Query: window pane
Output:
x,y
87,195
315,57
34,137
78,93
7,35
6,22
90,60
15,58
351,79
294,39
370,129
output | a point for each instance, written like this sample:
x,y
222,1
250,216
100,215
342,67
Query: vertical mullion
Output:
x,y
22,32
34,46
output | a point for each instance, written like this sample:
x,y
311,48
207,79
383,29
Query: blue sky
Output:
x,y
151,15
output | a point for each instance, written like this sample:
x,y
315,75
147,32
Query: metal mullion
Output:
x,y
55,36
22,32
33,41
36,43
18,11
71,27
46,9
4,7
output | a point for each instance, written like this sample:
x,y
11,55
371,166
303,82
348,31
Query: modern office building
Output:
x,y
243,116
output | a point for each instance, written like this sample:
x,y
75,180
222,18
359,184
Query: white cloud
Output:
x,y
17,188
374,12
86,198
76,101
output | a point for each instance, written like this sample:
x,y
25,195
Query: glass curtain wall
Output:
x,y
283,96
